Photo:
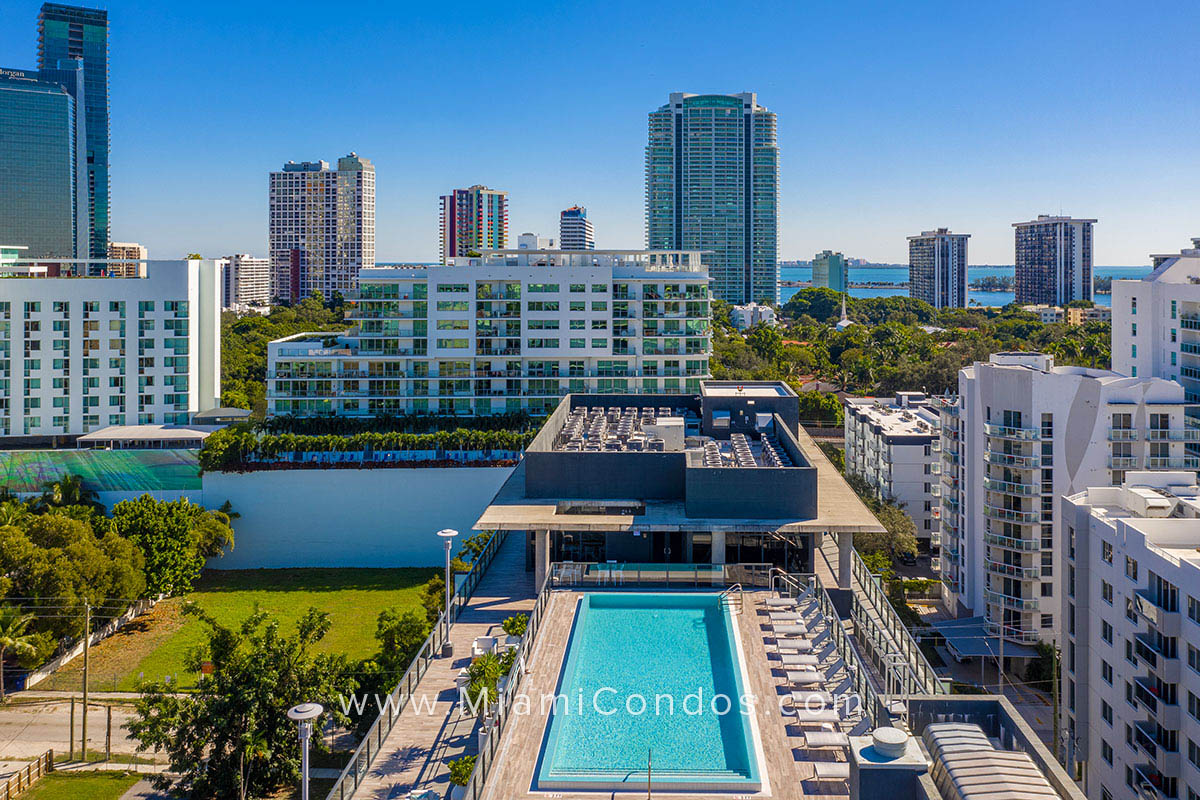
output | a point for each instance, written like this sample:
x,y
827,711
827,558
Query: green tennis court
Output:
x,y
102,470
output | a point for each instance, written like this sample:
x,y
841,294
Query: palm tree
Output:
x,y
1093,348
13,637
68,490
13,512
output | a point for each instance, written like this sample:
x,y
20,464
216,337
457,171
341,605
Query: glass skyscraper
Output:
x,y
712,184
41,153
71,32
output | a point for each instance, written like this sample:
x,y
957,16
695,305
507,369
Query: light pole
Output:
x,y
304,714
447,535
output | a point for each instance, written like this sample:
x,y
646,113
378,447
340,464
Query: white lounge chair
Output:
x,y
831,771
781,602
802,645
483,644
786,616
817,716
804,677
814,740
789,629
813,659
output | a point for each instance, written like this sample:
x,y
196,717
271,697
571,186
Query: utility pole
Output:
x,y
1000,661
87,637
71,736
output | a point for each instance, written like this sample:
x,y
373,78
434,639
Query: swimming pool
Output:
x,y
651,676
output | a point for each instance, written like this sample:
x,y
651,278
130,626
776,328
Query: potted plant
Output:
x,y
460,776
484,673
515,626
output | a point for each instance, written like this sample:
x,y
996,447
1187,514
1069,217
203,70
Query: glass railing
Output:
x,y
1010,601
1010,515
1122,434
1185,462
1124,462
1173,434
1012,543
1011,432
1008,460
1011,487
1012,570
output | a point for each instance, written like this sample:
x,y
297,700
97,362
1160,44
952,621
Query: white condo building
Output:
x,y
750,314
508,330
1021,434
1156,322
894,444
78,354
575,230
246,282
322,227
533,241
1131,656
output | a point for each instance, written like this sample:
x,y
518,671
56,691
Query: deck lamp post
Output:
x,y
304,714
447,535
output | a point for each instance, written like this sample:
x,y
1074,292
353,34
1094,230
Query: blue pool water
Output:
x,y
677,652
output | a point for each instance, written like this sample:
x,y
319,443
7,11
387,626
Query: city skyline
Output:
x,y
1022,142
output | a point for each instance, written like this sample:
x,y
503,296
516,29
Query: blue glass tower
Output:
x,y
70,32
42,162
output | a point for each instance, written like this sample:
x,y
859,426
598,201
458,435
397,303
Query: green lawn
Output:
x,y
156,646
81,786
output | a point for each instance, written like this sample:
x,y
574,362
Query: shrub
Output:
x,y
515,625
461,769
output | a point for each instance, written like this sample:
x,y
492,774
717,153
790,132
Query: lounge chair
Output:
x,y
781,602
803,696
483,644
786,616
802,645
789,629
816,716
813,659
831,771
804,677
814,740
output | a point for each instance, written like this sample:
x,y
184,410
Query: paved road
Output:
x,y
29,729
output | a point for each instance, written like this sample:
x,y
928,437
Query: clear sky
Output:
x,y
893,117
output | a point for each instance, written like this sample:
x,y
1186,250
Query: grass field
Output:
x,y
81,786
102,470
155,645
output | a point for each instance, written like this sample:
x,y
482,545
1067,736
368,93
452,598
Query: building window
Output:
x,y
1106,551
1133,305
1106,752
1193,609
1131,569
1106,672
1106,632
1106,713
1193,753
1047,620
1106,591
1193,658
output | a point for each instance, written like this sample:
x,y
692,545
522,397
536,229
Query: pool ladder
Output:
x,y
731,600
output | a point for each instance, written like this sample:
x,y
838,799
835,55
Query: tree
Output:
x,y
433,598
765,341
400,636
175,537
231,738
14,638
67,491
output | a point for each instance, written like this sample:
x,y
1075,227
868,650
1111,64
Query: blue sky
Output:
x,y
893,117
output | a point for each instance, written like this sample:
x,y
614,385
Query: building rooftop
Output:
x,y
1045,219
906,414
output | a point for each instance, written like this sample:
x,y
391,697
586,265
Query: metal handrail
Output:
x,y
728,593
360,761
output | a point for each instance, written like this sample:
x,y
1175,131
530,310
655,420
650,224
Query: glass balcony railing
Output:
x,y
1124,462
1122,434
1011,515
1009,460
1173,434
1184,462
1012,543
1015,633
1010,432
1009,601
1011,487
1012,570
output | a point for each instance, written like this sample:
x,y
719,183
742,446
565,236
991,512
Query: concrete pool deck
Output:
x,y
788,776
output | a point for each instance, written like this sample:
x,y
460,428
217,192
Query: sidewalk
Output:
x,y
415,753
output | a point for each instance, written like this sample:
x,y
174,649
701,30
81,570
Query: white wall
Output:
x,y
348,517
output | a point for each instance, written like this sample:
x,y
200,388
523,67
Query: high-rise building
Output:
x,y
507,331
712,184
532,241
1054,260
72,32
1130,680
894,445
473,221
134,254
830,270
322,228
1156,322
43,162
1021,434
575,229
95,351
937,268
246,282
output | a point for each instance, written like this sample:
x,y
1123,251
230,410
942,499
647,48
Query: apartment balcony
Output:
x,y
1184,462
1173,434
1122,434
481,314
951,582
1011,515
1189,322
1147,604
1014,633
1009,460
1011,601
1012,570
935,539
1012,487
951,457
497,351
1009,432
1124,462
1011,543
